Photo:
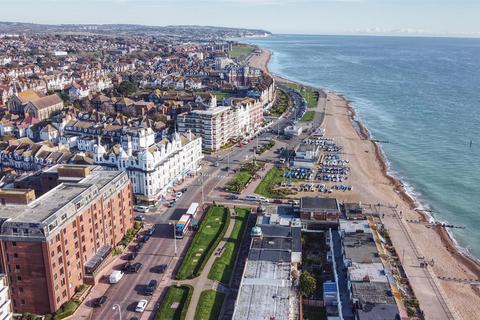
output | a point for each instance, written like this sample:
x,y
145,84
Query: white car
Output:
x,y
141,305
141,208
115,277
178,195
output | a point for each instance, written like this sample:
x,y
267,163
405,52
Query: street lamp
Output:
x,y
115,307
174,237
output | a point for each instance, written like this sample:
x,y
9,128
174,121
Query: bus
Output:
x,y
183,225
193,209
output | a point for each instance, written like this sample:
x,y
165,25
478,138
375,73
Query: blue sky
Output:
x,y
437,17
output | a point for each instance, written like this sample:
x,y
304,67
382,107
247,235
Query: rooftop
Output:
x,y
43,215
318,204
360,248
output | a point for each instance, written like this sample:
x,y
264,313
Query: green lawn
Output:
x,y
223,267
308,93
242,178
209,305
181,295
241,50
271,180
281,103
212,229
220,95
239,182
308,116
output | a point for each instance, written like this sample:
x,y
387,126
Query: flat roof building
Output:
x,y
46,244
267,290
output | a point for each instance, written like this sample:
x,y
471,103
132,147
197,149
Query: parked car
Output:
x,y
151,287
126,266
135,267
115,276
233,197
99,301
160,268
140,217
132,255
251,198
141,305
150,231
145,238
178,194
141,208
139,246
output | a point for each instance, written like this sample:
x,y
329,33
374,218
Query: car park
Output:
x,y
141,305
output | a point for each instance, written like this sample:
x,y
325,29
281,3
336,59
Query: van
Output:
x,y
115,277
141,209
263,199
251,198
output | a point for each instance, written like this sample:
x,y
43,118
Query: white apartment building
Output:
x,y
215,125
153,170
5,301
218,125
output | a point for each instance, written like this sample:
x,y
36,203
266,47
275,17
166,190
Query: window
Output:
x,y
17,267
19,278
20,289
14,243
15,255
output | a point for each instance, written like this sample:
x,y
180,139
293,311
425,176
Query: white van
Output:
x,y
141,208
263,199
251,198
115,277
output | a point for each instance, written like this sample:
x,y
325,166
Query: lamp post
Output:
x,y
115,307
174,237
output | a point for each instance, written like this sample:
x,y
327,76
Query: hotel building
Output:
x,y
52,244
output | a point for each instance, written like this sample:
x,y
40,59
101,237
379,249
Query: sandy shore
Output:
x,y
439,298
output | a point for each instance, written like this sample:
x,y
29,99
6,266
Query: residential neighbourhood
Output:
x,y
167,175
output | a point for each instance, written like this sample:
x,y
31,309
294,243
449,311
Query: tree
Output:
x,y
308,284
127,88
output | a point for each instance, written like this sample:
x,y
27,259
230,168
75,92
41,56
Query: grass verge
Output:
x,y
181,295
223,266
241,50
243,177
212,229
310,95
209,305
268,187
308,116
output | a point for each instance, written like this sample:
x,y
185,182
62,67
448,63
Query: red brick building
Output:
x,y
51,245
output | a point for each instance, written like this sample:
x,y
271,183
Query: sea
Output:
x,y
420,94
